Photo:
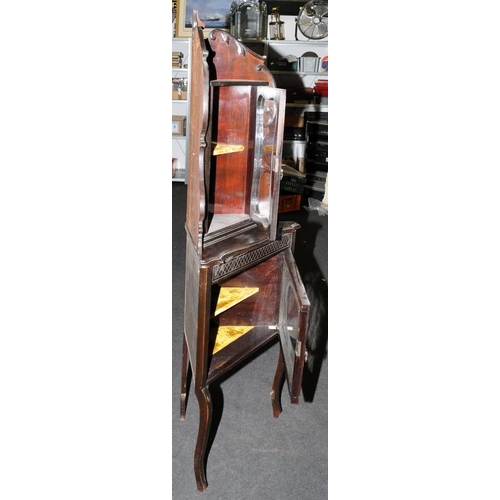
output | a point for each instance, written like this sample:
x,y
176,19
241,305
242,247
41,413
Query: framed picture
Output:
x,y
178,125
213,14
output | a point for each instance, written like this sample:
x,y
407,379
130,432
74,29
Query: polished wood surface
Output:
x,y
233,242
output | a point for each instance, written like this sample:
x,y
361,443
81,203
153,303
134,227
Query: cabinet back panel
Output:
x,y
261,308
232,172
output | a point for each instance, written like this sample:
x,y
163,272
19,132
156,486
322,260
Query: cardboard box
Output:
x,y
179,95
178,125
294,121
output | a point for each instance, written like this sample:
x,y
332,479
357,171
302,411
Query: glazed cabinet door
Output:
x,y
293,319
246,126
269,123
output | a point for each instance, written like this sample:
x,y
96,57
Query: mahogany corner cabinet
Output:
x,y
243,291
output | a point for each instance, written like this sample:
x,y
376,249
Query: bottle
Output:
x,y
248,19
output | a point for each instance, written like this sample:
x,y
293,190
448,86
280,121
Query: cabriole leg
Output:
x,y
184,377
205,403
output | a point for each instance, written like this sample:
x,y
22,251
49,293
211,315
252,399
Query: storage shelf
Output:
x,y
232,355
306,105
318,43
268,48
180,143
300,73
219,148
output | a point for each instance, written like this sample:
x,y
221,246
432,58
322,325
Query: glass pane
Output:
x,y
265,149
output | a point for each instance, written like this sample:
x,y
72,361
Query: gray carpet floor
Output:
x,y
252,455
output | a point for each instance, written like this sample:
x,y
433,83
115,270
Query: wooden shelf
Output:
x,y
232,355
219,148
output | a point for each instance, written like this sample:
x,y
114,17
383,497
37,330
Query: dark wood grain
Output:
x,y
233,239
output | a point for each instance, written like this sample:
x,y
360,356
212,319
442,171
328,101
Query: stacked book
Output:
x,y
177,59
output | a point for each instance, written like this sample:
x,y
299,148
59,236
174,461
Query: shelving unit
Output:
x,y
316,166
274,49
180,107
294,144
307,151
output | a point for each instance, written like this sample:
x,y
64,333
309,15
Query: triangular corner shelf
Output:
x,y
230,296
225,335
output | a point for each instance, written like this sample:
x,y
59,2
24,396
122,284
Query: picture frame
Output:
x,y
178,125
213,14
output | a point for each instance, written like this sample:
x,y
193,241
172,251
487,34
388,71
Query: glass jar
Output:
x,y
248,19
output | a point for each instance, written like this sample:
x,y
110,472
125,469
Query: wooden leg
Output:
x,y
184,377
205,403
279,379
